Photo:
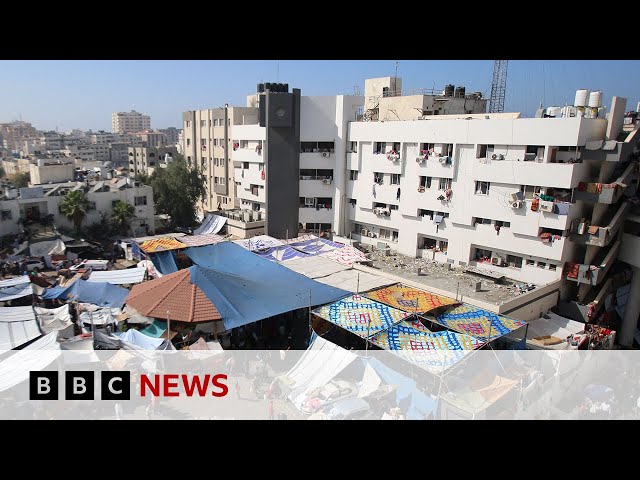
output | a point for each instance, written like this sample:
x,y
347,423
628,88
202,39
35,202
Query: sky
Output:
x,y
83,93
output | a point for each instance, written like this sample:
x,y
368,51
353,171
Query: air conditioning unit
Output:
x,y
420,159
497,261
494,157
370,234
516,204
442,159
326,181
364,232
325,154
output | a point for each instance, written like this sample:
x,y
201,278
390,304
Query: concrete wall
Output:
x,y
55,173
9,225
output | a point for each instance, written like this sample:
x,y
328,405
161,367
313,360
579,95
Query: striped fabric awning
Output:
x,y
161,244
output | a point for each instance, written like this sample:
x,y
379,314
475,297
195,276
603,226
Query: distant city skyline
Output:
x,y
83,94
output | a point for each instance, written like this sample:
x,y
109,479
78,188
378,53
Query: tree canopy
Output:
x,y
121,216
176,190
20,180
74,206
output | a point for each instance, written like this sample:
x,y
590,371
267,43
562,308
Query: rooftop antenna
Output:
x,y
277,70
395,79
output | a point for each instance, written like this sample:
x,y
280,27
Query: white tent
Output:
x,y
259,242
119,277
18,325
314,266
321,362
51,247
54,319
98,315
211,224
14,281
34,357
15,291
552,325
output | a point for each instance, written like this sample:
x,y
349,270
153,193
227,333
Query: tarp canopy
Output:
x,y
18,325
98,293
355,281
477,322
246,288
259,242
49,247
161,244
10,282
346,255
475,400
361,315
211,224
53,319
119,277
202,240
315,266
140,340
165,262
155,329
97,315
16,291
315,246
33,358
551,331
410,299
321,362
280,254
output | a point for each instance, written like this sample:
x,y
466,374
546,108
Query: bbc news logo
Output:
x,y
80,385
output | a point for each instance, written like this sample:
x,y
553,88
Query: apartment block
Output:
x,y
130,122
144,160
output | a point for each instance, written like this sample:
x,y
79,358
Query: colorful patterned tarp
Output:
x,y
346,255
478,323
161,244
410,299
316,246
360,315
412,335
280,254
259,242
203,239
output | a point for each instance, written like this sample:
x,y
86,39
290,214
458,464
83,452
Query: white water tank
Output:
x,y
568,111
595,99
581,98
554,111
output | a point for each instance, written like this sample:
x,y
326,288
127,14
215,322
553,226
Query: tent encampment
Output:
x,y
18,325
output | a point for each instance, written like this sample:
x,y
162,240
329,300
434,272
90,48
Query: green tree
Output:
x,y
101,230
74,206
20,180
121,216
2,172
143,178
176,190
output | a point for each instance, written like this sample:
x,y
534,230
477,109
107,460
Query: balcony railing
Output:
x,y
594,273
598,236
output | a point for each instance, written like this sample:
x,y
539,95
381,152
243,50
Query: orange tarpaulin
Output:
x,y
410,299
161,244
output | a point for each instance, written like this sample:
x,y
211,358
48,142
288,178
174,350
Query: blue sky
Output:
x,y
82,94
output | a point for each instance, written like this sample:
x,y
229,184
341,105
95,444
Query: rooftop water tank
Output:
x,y
581,98
449,90
568,111
595,99
260,88
554,111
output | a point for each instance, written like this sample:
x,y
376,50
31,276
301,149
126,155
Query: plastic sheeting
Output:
x,y
18,325
410,299
14,281
53,319
52,247
316,246
211,224
119,277
355,281
155,329
33,358
280,254
346,255
478,322
259,242
98,293
202,240
315,266
246,288
140,340
99,316
16,291
165,262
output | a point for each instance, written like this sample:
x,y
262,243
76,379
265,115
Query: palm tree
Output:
x,y
122,215
74,206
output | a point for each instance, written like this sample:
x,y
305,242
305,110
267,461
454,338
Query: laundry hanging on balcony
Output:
x,y
398,194
262,175
561,208
594,188
545,237
572,269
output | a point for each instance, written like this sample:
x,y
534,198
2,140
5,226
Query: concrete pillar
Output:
x,y
631,311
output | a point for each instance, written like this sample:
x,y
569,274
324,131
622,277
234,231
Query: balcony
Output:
x,y
558,175
253,155
606,193
595,273
322,160
599,236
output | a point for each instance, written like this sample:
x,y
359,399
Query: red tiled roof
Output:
x,y
174,296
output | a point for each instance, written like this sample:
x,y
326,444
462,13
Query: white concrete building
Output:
x,y
130,122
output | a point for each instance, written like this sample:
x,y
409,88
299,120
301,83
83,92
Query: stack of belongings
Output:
x,y
546,203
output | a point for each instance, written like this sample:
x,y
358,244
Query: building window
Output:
x,y
426,213
6,215
353,174
378,177
222,180
482,188
353,147
260,167
188,123
384,233
506,224
514,261
244,143
445,184
529,191
530,262
379,147
138,201
353,202
215,180
224,200
425,182
245,165
393,207
394,236
395,179
215,122
215,142
203,123
542,265
188,142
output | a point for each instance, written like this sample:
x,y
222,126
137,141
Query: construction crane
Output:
x,y
498,86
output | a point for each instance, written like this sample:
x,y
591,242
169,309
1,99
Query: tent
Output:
x,y
246,288
211,224
98,315
15,291
50,247
161,244
165,262
119,277
315,246
98,293
551,331
11,282
137,340
54,319
410,299
280,254
361,315
355,281
202,240
259,242
33,358
346,255
18,325
321,362
173,296
478,322
314,266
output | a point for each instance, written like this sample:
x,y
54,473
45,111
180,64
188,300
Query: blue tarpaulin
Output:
x,y
246,288
140,340
165,262
97,293
135,250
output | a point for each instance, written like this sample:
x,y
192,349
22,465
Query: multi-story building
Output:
x,y
14,133
144,160
52,141
152,139
172,135
103,137
130,122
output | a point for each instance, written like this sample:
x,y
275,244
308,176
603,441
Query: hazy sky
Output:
x,y
83,94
